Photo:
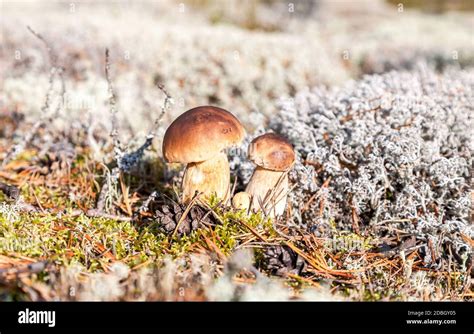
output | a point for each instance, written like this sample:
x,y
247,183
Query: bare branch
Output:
x,y
125,161
52,55
54,70
164,108
131,159
113,105
46,116
146,204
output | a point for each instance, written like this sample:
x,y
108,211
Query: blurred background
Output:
x,y
243,56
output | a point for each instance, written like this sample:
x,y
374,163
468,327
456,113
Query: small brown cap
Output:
x,y
241,201
272,151
198,134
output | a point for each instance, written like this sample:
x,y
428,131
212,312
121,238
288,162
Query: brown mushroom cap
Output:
x,y
199,133
272,151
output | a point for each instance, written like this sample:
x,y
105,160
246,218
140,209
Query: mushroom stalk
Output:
x,y
207,178
269,191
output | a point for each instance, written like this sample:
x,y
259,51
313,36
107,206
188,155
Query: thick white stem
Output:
x,y
269,191
210,177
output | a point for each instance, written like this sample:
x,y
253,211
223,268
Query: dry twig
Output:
x,y
46,115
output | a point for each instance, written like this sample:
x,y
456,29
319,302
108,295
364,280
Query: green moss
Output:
x,y
296,283
231,227
78,239
372,296
226,236
345,241
93,242
183,245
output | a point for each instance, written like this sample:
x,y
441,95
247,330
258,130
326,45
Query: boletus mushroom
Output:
x,y
241,201
198,138
268,187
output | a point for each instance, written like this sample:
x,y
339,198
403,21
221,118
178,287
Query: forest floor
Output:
x,y
85,217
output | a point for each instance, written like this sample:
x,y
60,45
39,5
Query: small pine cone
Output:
x,y
169,215
55,157
10,191
282,260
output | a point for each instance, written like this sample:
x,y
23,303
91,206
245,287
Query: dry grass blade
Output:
x,y
252,230
319,264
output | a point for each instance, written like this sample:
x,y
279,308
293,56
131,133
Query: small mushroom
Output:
x,y
241,201
268,187
198,138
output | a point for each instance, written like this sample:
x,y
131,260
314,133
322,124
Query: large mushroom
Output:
x,y
198,138
268,187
